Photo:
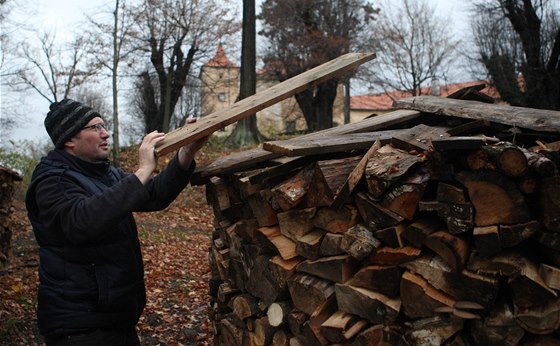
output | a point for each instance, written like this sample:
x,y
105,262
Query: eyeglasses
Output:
x,y
96,127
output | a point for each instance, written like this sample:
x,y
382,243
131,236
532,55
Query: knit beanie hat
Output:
x,y
66,118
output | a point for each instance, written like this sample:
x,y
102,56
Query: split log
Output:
x,y
281,270
550,276
382,279
358,242
340,327
329,177
335,220
403,197
296,319
436,330
393,256
528,288
380,335
541,320
391,236
466,285
336,268
447,193
417,232
246,229
453,249
261,285
513,235
419,298
218,193
386,166
459,218
375,216
262,210
282,245
309,292
487,240
371,305
496,199
292,191
503,264
497,328
330,245
296,223
308,246
311,330
230,334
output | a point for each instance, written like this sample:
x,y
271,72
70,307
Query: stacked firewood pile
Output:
x,y
419,227
7,188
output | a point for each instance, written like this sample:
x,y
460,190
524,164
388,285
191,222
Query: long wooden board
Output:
x,y
250,105
528,118
332,144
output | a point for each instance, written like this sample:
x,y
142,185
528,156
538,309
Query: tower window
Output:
x,y
222,97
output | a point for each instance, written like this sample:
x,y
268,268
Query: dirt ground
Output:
x,y
175,246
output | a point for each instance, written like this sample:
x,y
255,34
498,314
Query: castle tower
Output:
x,y
220,83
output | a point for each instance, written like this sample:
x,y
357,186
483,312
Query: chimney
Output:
x,y
435,86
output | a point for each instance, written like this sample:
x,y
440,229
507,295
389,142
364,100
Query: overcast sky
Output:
x,y
64,17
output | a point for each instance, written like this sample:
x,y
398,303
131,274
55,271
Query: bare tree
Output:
x,y
303,34
413,45
520,39
109,47
246,130
11,111
174,34
51,72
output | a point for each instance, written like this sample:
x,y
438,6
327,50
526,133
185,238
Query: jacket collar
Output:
x,y
95,169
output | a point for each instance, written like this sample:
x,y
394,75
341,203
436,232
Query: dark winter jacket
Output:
x,y
91,273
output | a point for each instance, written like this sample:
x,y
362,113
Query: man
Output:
x,y
91,276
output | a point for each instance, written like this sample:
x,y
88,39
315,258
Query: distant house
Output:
x,y
220,88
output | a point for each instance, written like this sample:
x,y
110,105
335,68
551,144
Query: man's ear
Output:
x,y
70,144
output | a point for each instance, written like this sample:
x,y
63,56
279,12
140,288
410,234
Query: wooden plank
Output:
x,y
529,118
243,160
332,144
252,104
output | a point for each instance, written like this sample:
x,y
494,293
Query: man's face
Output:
x,y
91,143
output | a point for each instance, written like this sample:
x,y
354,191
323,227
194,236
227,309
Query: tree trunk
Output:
x,y
246,131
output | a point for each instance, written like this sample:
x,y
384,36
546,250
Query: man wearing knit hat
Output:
x,y
91,276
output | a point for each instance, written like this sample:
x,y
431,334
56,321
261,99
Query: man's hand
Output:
x,y
186,153
147,160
